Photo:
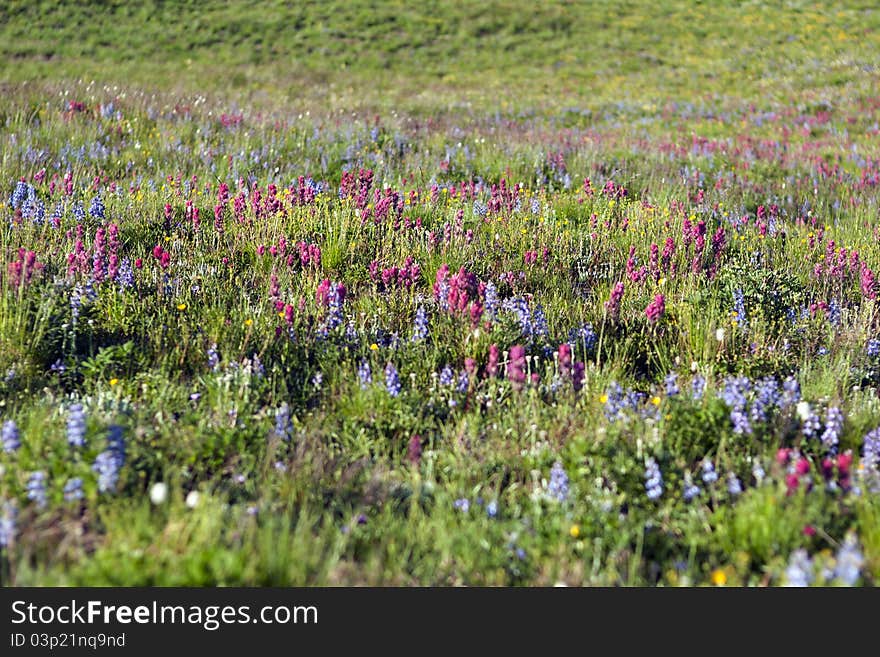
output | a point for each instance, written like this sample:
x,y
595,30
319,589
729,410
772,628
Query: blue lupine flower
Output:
x,y
800,569
420,331
871,446
334,316
392,380
539,321
365,375
57,213
73,489
76,425
36,488
7,524
735,391
557,488
490,301
257,366
96,209
873,347
318,379
691,490
79,214
834,313
520,308
283,425
812,425
125,275
492,509
739,308
653,479
10,436
734,485
741,424
462,504
833,427
698,387
758,472
585,335
670,383
110,461
446,376
709,474
213,357
791,391
19,194
767,397
463,381
849,562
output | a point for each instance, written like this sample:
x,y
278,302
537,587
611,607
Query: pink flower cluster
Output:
x,y
388,278
656,309
22,270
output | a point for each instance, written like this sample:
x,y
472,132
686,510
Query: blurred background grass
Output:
x,y
496,55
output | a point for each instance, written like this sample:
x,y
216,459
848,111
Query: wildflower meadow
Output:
x,y
461,297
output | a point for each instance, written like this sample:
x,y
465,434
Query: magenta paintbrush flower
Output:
x,y
656,309
516,367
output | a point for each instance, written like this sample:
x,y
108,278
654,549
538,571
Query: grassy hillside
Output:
x,y
501,52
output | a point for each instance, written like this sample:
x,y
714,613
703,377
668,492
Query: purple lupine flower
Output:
x,y
213,358
741,424
462,504
577,376
766,398
615,401
490,302
849,561
653,479
691,490
446,376
791,391
125,276
670,384
76,425
283,425
812,425
7,524
365,375
739,309
520,308
108,463
392,380
10,436
557,488
698,387
873,347
800,569
420,331
734,485
735,391
709,474
96,209
36,488
73,490
834,313
833,427
463,381
539,321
